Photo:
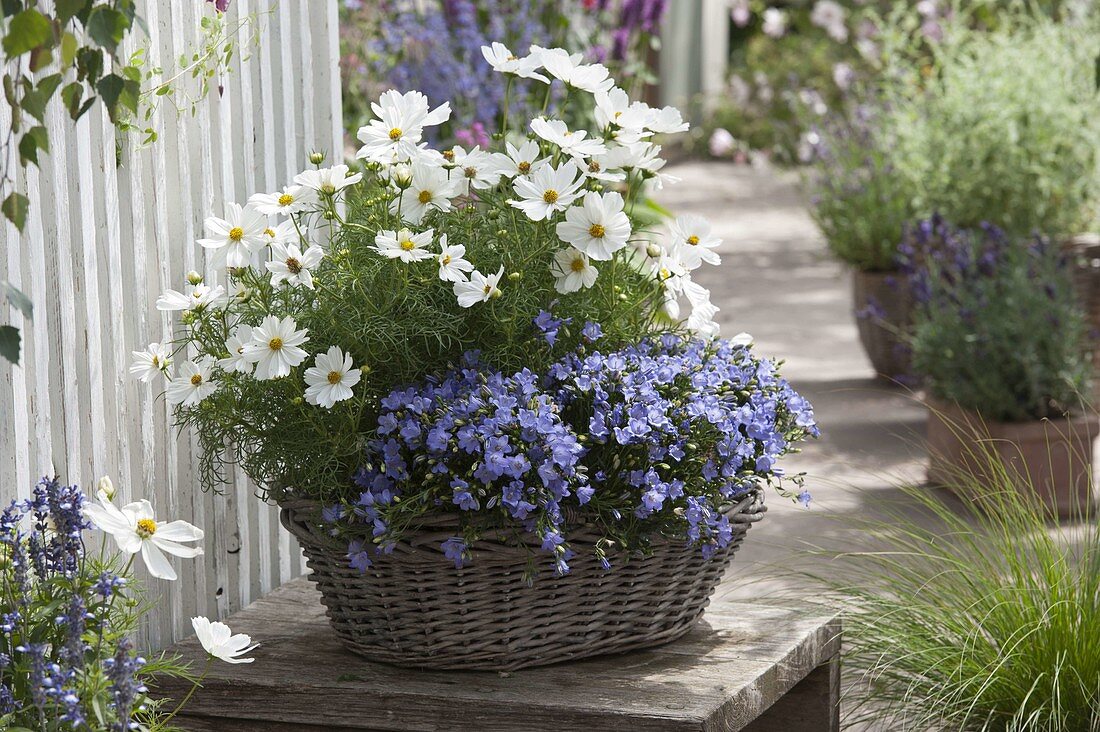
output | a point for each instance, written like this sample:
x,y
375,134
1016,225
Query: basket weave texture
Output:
x,y
413,608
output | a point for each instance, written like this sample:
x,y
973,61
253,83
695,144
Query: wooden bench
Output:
x,y
747,667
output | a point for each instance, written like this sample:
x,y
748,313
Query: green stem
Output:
x,y
191,692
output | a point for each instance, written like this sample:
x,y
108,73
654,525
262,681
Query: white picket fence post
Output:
x,y
106,234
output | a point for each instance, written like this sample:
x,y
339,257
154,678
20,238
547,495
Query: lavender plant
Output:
x,y
859,198
66,660
997,330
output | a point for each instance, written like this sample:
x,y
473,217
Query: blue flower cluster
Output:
x,y
47,596
651,438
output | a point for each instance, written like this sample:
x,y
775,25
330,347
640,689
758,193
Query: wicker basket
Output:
x,y
413,608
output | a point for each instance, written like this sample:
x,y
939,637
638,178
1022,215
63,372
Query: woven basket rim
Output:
x,y
300,516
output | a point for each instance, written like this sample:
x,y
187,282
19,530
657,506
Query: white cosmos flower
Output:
x,y
572,270
703,310
547,190
328,181
135,528
404,245
153,361
741,339
291,199
504,61
194,297
284,232
330,378
396,134
693,243
452,262
291,265
645,156
630,119
601,168
522,160
598,227
276,347
667,121
218,641
479,288
235,344
560,64
235,237
192,383
577,144
476,169
432,188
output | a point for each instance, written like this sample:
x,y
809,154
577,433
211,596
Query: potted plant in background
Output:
x,y
466,377
1000,345
862,201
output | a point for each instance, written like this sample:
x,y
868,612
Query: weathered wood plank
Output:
x,y
735,664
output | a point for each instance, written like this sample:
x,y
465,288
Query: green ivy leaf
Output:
x,y
89,64
68,9
35,100
15,208
9,349
69,45
107,26
16,297
110,88
28,29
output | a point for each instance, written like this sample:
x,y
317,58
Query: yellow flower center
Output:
x,y
577,265
395,133
236,233
596,231
593,167
524,167
270,232
286,199
424,196
449,155
293,265
665,274
334,377
196,379
487,289
445,259
408,245
470,172
156,361
146,528
550,195
693,240
275,343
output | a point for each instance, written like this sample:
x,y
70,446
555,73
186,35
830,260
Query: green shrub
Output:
x,y
1005,129
966,622
997,329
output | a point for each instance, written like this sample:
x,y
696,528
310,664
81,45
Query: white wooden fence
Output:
x,y
109,230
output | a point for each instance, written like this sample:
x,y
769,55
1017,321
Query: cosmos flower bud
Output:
x,y
515,276
653,250
316,157
329,214
402,176
194,278
296,400
105,488
365,369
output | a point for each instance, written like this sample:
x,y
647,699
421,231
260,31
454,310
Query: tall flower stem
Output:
x,y
191,692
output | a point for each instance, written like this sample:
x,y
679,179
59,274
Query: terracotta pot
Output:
x,y
883,309
1051,457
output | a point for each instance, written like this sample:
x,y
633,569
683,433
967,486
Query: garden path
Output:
x,y
778,282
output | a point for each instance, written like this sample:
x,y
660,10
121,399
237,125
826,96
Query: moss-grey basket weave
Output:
x,y
413,608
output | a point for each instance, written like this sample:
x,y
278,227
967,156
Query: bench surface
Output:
x,y
743,667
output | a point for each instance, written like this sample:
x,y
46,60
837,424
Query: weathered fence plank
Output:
x,y
112,224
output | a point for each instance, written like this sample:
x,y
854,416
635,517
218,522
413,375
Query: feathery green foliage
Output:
x,y
986,621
